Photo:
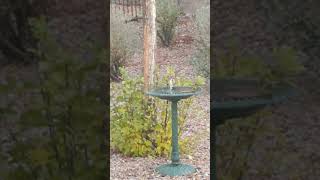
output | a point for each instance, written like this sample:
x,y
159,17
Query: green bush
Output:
x,y
201,58
167,19
141,126
124,41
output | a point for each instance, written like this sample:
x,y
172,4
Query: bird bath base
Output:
x,y
173,169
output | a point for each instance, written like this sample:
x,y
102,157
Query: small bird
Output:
x,y
171,82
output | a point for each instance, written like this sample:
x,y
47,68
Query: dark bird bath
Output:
x,y
235,98
238,98
174,94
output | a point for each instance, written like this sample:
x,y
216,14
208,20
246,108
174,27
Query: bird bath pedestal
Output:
x,y
174,94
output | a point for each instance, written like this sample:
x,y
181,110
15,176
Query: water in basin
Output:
x,y
174,93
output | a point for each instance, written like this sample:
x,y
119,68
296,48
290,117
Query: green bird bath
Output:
x,y
233,99
174,94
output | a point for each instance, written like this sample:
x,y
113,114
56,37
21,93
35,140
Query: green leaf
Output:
x,y
40,156
33,118
19,173
4,89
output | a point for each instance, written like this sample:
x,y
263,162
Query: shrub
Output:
x,y
140,126
167,19
201,58
124,41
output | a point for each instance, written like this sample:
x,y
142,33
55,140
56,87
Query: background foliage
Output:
x,y
125,40
16,36
242,135
280,66
201,58
296,24
70,139
167,18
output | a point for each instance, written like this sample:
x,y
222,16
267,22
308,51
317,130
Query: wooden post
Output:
x,y
149,43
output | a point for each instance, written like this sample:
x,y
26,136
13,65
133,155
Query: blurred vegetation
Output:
x,y
201,58
167,18
295,27
242,135
125,40
15,33
282,65
142,127
69,140
296,24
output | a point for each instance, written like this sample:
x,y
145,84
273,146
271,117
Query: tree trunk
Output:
x,y
149,43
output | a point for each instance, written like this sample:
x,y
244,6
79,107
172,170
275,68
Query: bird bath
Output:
x,y
236,98
174,94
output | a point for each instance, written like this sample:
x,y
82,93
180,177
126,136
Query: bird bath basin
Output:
x,y
235,98
174,94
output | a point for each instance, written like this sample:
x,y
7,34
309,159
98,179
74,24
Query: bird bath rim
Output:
x,y
277,94
177,93
244,106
